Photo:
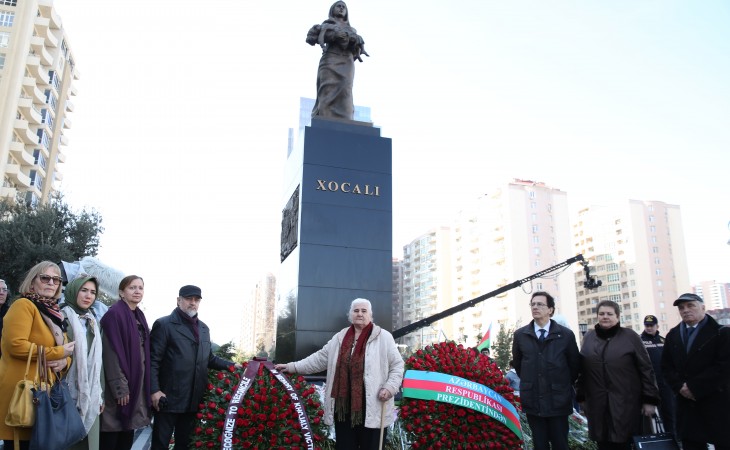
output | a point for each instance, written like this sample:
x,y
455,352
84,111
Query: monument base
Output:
x,y
339,241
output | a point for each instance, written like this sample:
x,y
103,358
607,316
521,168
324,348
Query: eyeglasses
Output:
x,y
538,305
47,279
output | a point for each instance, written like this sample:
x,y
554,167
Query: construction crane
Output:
x,y
590,283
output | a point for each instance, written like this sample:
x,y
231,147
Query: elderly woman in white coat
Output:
x,y
364,372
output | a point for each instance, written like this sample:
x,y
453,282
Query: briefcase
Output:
x,y
658,440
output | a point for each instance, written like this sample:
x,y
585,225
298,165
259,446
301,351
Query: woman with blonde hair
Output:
x,y
34,318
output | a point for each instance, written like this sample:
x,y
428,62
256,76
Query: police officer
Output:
x,y
654,344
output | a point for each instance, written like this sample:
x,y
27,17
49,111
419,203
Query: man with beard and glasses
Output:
x,y
180,354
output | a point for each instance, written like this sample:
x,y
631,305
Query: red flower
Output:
x,y
432,424
266,418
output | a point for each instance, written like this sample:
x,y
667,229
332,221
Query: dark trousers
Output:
x,y
692,445
348,437
164,425
24,445
614,446
116,440
547,431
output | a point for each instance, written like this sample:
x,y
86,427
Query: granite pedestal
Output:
x,y
336,234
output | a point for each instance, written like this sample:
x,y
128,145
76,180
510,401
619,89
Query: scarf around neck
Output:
x,y
119,325
349,385
607,333
48,307
192,322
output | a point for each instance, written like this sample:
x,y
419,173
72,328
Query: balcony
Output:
x,y
46,8
39,47
17,149
26,134
8,192
58,175
25,104
63,140
34,65
41,24
61,157
73,90
51,39
69,106
67,123
13,172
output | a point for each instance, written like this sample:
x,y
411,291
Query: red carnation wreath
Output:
x,y
430,424
266,417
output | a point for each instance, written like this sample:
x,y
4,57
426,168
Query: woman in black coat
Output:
x,y
617,382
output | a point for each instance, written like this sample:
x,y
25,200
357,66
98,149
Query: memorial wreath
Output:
x,y
456,398
259,407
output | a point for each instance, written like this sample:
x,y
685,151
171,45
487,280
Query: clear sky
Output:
x,y
180,128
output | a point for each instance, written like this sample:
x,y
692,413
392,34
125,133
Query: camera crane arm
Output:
x,y
400,332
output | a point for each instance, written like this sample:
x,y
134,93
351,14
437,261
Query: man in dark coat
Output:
x,y
180,354
696,364
654,344
547,360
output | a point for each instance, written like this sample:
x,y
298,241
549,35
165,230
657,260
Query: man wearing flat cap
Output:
x,y
180,356
696,365
654,344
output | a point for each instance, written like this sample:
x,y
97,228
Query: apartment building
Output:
x,y
258,323
37,70
637,251
714,294
517,229
427,286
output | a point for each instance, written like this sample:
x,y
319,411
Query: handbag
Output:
x,y
20,410
58,423
660,440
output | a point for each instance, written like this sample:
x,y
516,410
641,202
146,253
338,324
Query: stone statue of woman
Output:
x,y
341,46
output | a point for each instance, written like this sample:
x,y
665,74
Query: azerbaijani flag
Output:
x,y
485,343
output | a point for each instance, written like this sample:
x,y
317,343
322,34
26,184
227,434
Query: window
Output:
x,y
658,271
535,239
534,217
655,249
652,229
533,205
9,2
651,218
6,18
532,194
636,304
534,228
657,261
4,39
2,60
661,305
537,251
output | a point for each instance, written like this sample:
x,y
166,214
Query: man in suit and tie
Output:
x,y
546,359
696,365
180,356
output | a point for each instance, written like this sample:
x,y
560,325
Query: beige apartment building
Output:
x,y
426,286
258,322
716,295
37,70
637,251
518,229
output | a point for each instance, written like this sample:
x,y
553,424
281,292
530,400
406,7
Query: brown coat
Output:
x,y
617,378
23,325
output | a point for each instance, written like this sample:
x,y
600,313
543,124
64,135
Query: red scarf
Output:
x,y
348,386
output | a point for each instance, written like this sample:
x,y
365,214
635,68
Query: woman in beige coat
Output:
x,y
364,372
32,318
